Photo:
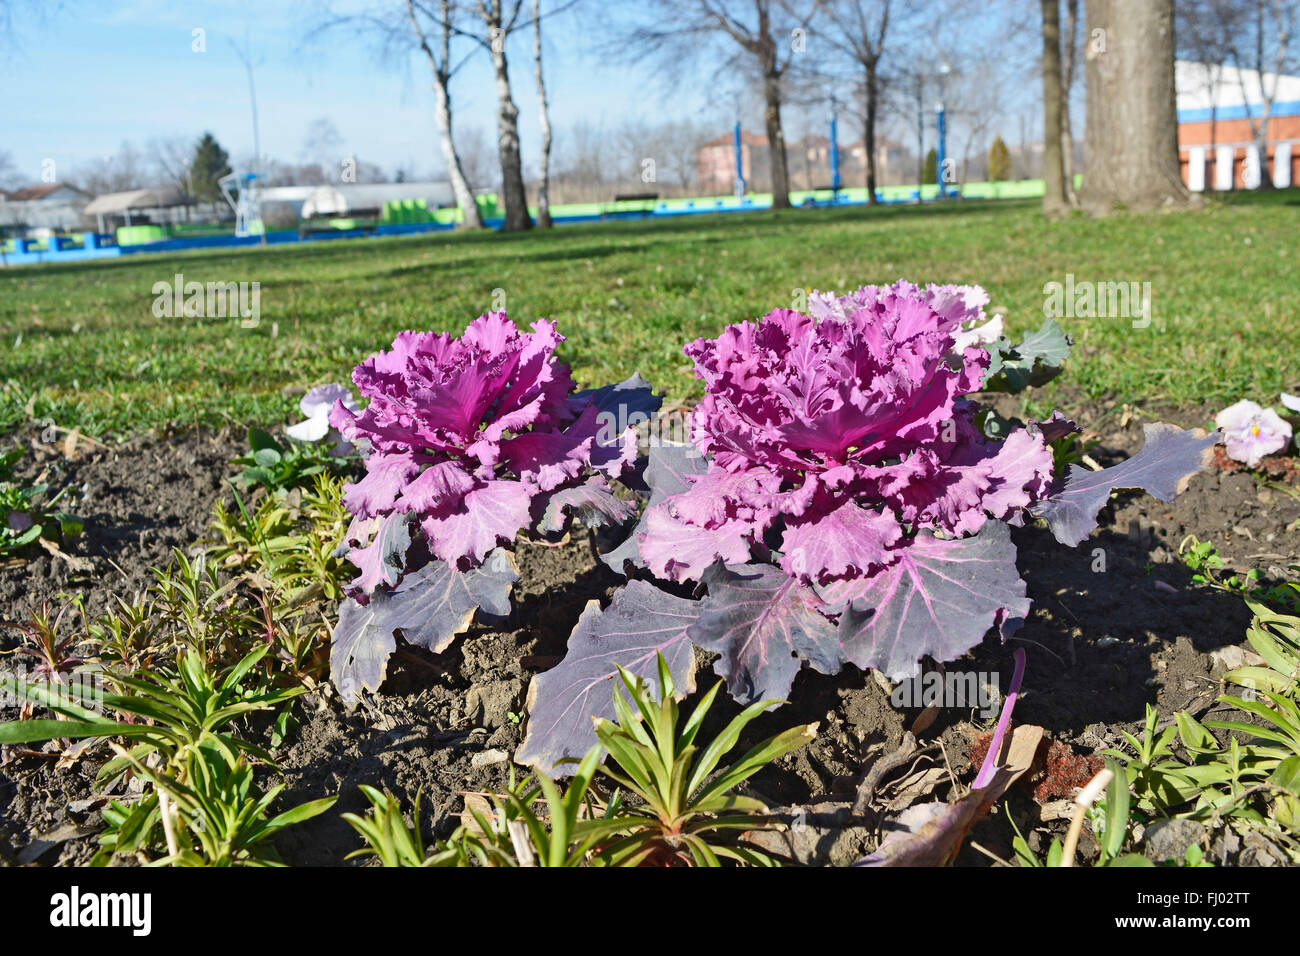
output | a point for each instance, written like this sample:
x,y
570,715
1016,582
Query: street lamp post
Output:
x,y
739,185
835,153
941,123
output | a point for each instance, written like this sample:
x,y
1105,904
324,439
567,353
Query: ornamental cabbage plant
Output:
x,y
840,502
467,443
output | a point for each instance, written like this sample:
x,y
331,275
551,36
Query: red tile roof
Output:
x,y
36,192
747,139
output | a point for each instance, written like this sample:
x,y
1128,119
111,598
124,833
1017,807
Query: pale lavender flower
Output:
x,y
1251,432
316,405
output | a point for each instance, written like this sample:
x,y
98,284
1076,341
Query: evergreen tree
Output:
x,y
999,161
209,164
929,172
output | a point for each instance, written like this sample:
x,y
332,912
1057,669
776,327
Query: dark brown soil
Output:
x,y
1116,624
139,500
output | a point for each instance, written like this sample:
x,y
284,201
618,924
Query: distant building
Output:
x,y
715,163
895,166
1215,145
808,160
48,207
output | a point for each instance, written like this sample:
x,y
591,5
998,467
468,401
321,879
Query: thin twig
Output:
x,y
990,854
878,770
1086,798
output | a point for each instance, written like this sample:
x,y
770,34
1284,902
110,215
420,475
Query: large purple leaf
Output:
x,y
492,513
633,396
1057,426
618,408
1164,466
430,607
667,473
381,562
939,598
592,503
640,623
848,539
764,623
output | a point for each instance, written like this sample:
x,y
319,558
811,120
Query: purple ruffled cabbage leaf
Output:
x,y
835,438
469,441
842,504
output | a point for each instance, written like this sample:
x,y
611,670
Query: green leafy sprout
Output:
x,y
28,513
281,468
671,806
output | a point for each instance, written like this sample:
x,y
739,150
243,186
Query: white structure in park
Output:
x,y
357,199
1218,109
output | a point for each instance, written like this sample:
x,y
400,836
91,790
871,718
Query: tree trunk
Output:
x,y
1261,147
1214,138
920,133
869,134
1259,131
460,186
1132,127
1069,50
442,114
776,141
1055,200
544,121
512,171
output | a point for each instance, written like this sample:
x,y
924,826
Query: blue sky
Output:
x,y
84,78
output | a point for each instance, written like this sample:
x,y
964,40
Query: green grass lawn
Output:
x,y
79,342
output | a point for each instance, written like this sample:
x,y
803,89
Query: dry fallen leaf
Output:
x,y
76,563
930,834
914,786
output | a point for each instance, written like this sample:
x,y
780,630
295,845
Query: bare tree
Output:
x,y
1132,125
498,19
767,34
10,174
1055,200
38,10
591,160
441,65
1069,57
116,172
914,83
476,157
544,121
1206,32
1275,25
171,161
860,31
673,144
322,146
583,154
427,27
973,104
